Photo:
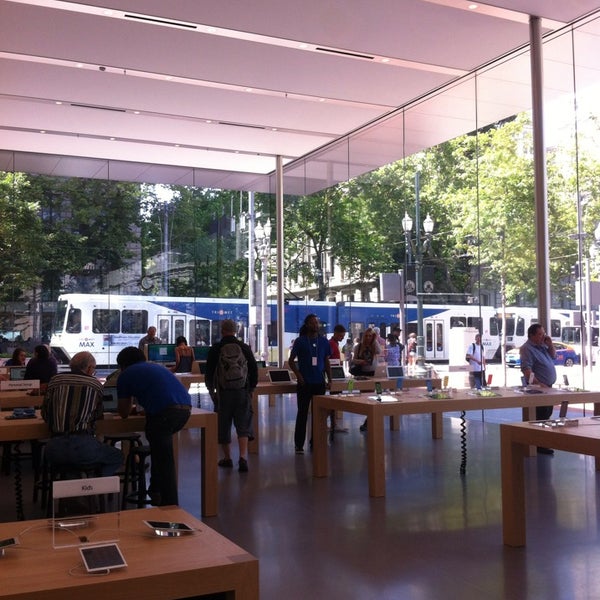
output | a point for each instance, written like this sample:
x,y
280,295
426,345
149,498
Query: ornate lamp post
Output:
x,y
262,245
419,250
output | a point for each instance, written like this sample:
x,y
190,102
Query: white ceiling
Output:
x,y
213,98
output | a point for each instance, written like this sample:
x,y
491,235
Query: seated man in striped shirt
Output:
x,y
71,405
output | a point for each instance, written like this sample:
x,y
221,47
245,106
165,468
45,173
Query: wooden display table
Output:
x,y
206,421
187,379
158,568
266,388
19,399
514,441
418,403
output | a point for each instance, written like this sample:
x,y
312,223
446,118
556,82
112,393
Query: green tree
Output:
x,y
22,244
195,226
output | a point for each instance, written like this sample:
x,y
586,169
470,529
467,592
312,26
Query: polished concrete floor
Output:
x,y
436,534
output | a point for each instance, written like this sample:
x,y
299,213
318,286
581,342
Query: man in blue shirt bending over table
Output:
x,y
167,406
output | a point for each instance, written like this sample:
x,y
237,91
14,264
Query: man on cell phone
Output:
x,y
537,365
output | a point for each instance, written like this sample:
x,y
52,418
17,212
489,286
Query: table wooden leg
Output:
x,y
376,455
209,457
253,444
513,490
319,437
529,415
395,421
437,426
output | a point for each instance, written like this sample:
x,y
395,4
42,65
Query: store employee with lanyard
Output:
x,y
309,360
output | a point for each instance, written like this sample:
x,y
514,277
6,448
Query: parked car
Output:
x,y
565,355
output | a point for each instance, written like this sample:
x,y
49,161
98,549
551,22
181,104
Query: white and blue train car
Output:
x,y
106,323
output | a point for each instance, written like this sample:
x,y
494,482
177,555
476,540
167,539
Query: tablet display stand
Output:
x,y
75,505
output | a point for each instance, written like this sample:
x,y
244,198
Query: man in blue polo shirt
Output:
x,y
167,406
309,360
537,359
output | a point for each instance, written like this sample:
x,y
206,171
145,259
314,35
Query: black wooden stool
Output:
x,y
128,441
57,472
135,490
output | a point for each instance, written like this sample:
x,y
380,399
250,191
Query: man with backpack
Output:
x,y
475,356
231,376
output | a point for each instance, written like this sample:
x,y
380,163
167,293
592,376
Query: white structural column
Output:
x,y
280,274
539,164
252,340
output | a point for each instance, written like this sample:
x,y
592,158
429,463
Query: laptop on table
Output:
x,y
110,400
338,373
394,372
280,376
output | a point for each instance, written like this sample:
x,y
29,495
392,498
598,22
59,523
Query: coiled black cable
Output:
x,y
463,443
18,482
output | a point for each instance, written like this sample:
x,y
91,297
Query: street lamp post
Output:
x,y
428,224
262,236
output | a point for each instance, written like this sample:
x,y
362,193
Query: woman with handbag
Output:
x,y
364,359
364,356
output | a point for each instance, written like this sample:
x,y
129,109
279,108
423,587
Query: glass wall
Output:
x,y
91,263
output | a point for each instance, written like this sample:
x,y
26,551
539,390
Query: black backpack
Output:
x,y
232,369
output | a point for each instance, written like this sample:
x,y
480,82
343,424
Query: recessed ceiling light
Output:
x,y
208,120
303,46
79,65
169,77
136,112
248,89
42,131
112,139
385,60
473,6
58,102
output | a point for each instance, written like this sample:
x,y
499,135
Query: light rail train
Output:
x,y
106,323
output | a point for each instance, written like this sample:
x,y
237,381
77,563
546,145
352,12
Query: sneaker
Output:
x,y
226,463
299,450
243,465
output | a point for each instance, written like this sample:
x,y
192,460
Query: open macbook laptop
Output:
x,y
110,400
338,373
394,372
280,376
17,373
